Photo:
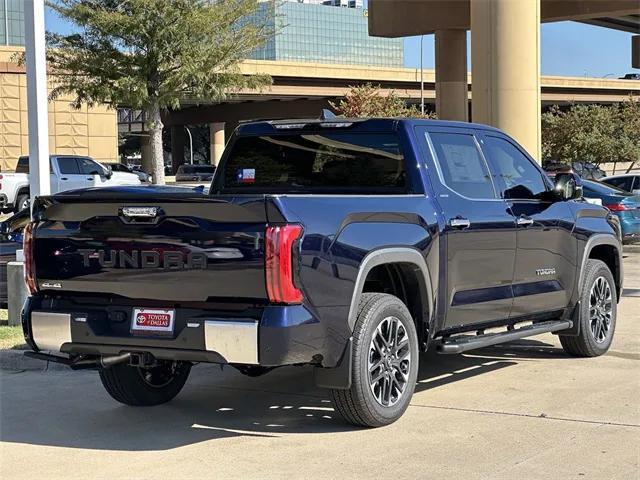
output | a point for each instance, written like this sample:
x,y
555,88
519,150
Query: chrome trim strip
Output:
x,y
50,330
236,341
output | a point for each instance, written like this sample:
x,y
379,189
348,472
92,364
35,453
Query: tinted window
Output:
x,y
315,162
621,182
602,188
521,177
68,166
461,164
89,167
22,165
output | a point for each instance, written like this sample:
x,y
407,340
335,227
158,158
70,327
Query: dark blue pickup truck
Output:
x,y
349,245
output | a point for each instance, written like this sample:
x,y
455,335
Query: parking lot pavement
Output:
x,y
522,410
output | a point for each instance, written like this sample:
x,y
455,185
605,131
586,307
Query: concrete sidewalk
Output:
x,y
522,410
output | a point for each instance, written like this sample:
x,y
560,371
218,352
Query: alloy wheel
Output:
x,y
600,309
389,361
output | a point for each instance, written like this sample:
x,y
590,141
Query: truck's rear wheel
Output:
x,y
385,363
141,387
597,316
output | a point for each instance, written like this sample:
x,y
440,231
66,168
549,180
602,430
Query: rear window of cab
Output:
x,y
315,162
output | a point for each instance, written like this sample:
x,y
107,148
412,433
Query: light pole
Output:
x,y
421,76
190,144
37,99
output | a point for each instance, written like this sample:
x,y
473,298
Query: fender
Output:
x,y
602,239
593,241
383,256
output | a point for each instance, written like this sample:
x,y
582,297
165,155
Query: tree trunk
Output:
x,y
631,167
155,130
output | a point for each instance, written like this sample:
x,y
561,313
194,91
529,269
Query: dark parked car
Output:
x,y
121,167
350,246
587,170
629,182
631,76
195,173
10,241
625,205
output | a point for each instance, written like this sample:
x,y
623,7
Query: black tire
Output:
x,y
22,202
140,387
585,344
359,405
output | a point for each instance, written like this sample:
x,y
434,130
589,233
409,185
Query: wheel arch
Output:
x,y
404,264
607,249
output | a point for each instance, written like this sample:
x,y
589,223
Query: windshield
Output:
x,y
339,162
602,188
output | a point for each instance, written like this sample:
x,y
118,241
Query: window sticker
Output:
x,y
246,175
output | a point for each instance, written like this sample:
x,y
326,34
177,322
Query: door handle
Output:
x,y
460,222
64,178
524,221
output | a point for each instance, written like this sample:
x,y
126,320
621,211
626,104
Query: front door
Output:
x,y
546,255
480,231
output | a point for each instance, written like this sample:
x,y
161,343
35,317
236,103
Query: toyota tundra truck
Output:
x,y
351,246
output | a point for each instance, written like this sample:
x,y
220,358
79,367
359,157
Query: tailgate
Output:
x,y
170,248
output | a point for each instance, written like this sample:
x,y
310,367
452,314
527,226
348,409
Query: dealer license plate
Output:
x,y
152,320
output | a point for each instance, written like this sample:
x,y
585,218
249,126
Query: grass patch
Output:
x,y
11,338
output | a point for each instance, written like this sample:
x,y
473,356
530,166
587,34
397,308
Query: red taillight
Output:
x,y
616,207
280,242
29,267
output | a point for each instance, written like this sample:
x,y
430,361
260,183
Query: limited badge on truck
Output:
x,y
146,320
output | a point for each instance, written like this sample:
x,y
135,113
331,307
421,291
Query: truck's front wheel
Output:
x,y
385,363
142,387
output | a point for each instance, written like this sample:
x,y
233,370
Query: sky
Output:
x,y
567,48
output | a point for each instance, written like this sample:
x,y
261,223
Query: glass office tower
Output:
x,y
11,22
329,31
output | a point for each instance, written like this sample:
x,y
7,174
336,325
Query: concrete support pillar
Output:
x,y
177,146
451,75
505,66
635,51
216,139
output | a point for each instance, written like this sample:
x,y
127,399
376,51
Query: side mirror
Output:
x,y
108,172
568,186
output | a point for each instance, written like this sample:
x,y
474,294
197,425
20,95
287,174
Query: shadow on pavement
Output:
x,y
72,410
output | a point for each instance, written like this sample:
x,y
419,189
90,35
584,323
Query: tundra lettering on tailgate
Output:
x,y
171,260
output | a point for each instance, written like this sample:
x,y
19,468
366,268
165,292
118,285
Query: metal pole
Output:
x,y
190,144
37,98
421,76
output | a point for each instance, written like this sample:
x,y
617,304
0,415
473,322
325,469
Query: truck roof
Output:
x,y
364,124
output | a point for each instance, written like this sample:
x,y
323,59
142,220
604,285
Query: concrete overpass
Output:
x,y
303,89
505,51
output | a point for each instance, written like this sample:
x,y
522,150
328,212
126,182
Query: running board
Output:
x,y
462,344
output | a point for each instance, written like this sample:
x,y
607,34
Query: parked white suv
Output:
x,y
68,172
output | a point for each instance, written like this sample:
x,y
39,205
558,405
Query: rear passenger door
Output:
x,y
545,267
480,231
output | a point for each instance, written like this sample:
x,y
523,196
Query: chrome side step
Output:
x,y
464,343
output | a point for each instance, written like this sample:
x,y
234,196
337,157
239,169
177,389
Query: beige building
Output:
x,y
87,131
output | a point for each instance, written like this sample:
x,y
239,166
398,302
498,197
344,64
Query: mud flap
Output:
x,y
574,331
338,377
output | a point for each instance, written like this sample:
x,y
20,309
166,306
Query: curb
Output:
x,y
631,249
14,360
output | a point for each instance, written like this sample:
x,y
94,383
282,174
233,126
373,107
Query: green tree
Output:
x,y
152,54
593,133
368,101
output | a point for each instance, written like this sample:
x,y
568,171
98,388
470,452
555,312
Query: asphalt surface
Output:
x,y
522,410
